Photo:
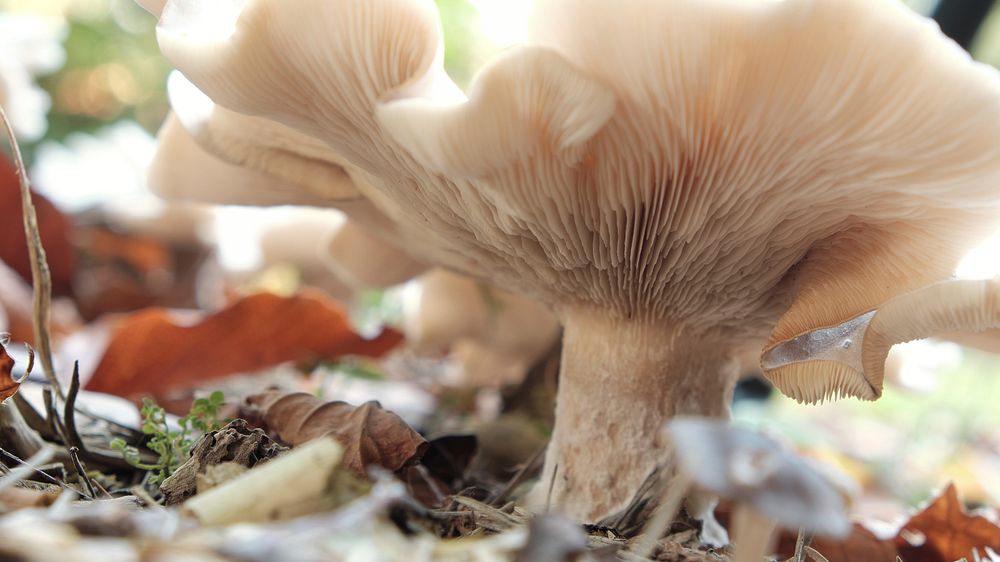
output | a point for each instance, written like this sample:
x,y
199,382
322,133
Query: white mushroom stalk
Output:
x,y
675,178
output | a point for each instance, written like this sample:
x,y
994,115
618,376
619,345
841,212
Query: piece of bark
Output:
x,y
370,435
235,443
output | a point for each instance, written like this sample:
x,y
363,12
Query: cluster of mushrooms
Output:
x,y
676,180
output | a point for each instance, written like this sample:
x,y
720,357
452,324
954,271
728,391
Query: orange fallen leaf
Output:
x,y
151,352
54,229
8,386
949,533
370,435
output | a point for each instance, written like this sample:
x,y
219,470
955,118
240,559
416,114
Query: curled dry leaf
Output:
x,y
53,226
151,352
949,533
8,386
370,435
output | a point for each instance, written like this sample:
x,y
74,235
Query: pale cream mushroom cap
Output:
x,y
303,163
674,177
182,170
494,336
362,260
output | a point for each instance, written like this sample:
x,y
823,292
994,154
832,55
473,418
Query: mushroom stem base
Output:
x,y
619,383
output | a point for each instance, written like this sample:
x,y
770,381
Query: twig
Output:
x,y
72,433
815,555
21,472
142,494
81,472
31,416
52,415
40,472
801,543
16,434
41,278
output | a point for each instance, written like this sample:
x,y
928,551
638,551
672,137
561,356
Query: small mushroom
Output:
x,y
493,336
673,178
769,485
856,350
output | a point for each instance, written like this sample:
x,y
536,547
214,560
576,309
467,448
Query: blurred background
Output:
x,y
85,86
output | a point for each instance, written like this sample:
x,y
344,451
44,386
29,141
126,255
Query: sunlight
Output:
x,y
504,22
983,262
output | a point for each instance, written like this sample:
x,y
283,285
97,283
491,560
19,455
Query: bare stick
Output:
x,y
41,278
801,543
24,470
81,472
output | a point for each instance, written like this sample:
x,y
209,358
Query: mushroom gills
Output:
x,y
849,358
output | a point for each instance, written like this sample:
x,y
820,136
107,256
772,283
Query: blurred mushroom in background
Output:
x,y
492,336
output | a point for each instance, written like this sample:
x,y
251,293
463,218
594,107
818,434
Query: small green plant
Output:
x,y
171,447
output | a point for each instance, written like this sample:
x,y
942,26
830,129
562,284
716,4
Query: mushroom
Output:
x,y
768,485
673,178
296,237
362,260
494,336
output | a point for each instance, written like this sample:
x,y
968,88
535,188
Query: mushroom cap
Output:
x,y
443,308
183,171
717,165
362,260
303,163
750,469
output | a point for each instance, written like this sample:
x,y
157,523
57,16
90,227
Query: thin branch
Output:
x,y
41,278
26,468
81,472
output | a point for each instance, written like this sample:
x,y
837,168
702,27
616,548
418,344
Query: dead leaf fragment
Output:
x,y
949,532
235,443
8,386
370,435
54,230
151,352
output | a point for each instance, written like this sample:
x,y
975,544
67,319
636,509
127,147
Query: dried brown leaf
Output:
x,y
370,435
54,229
150,351
8,386
949,532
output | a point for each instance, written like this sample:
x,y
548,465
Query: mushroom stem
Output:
x,y
620,381
753,534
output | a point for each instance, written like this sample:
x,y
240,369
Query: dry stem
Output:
x,y
41,278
